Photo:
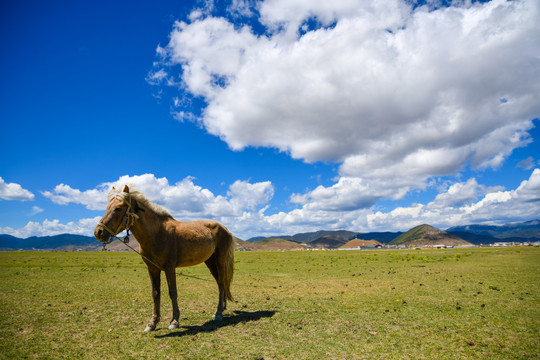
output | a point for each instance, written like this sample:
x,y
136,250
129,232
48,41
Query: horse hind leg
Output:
x,y
222,303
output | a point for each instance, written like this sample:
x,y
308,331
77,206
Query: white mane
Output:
x,y
140,198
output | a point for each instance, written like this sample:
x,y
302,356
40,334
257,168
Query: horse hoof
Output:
x,y
149,328
174,325
218,317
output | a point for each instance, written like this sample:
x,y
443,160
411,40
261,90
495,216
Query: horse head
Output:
x,y
118,217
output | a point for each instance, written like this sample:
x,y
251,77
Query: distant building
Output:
x,y
401,247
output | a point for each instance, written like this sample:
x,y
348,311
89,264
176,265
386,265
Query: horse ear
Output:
x,y
126,189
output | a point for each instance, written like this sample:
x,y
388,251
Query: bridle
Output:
x,y
127,221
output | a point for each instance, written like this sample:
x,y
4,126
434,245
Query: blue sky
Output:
x,y
274,117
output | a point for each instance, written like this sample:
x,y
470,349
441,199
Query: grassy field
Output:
x,y
479,303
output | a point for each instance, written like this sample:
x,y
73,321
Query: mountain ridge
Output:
x,y
55,242
428,235
527,229
330,239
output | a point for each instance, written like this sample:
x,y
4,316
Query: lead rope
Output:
x,y
125,241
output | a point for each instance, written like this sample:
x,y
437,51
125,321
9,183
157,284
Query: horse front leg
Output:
x,y
155,279
170,272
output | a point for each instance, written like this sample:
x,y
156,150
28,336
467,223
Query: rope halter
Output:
x,y
127,221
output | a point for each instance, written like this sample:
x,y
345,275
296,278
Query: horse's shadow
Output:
x,y
211,326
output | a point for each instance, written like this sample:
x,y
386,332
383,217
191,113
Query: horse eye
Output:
x,y
117,210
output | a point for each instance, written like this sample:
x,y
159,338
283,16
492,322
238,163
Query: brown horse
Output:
x,y
166,244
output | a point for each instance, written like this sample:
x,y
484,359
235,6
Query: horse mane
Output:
x,y
140,198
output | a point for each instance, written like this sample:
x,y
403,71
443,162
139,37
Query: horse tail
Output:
x,y
229,266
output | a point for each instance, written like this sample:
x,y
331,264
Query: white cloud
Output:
x,y
95,199
460,205
155,78
242,7
53,227
196,45
183,199
378,87
36,210
243,209
458,194
347,194
12,191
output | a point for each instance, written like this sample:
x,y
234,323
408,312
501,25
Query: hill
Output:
x,y
337,235
254,239
382,237
355,243
328,242
311,236
427,235
241,244
270,244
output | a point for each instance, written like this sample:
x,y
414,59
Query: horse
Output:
x,y
166,244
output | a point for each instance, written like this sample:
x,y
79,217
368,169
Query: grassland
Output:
x,y
477,303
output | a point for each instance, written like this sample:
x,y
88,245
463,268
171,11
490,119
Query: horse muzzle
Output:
x,y
102,235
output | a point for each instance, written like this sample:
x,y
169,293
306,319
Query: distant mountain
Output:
x,y
242,244
268,244
328,242
311,236
524,230
475,238
8,242
355,243
324,239
427,235
382,237
338,235
329,239
57,242
255,239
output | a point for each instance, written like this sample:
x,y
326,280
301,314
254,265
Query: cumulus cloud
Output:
x,y
183,199
461,203
53,227
380,75
380,87
242,8
12,191
244,208
466,203
95,199
347,194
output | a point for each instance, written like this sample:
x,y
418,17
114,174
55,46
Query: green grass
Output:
x,y
479,303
